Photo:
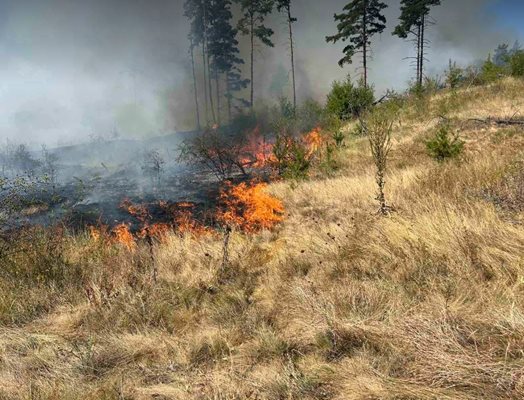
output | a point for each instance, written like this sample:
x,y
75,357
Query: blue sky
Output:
x,y
510,14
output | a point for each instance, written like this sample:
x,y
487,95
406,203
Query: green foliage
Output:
x,y
291,158
338,137
347,100
454,75
253,17
309,115
411,15
491,71
516,64
360,20
358,130
286,108
444,145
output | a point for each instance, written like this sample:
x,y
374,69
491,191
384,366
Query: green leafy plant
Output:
x,y
454,75
516,64
291,158
444,145
491,71
338,137
347,100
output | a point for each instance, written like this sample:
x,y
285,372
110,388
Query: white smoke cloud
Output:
x,y
74,68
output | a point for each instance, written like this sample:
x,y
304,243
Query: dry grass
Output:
x,y
338,303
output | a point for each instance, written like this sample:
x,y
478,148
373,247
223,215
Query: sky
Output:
x,y
74,69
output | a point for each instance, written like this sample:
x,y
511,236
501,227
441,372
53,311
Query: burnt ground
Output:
x,y
93,180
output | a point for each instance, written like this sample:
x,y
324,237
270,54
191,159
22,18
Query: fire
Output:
x,y
120,234
183,218
249,207
139,211
158,231
123,236
95,233
313,142
259,153
258,150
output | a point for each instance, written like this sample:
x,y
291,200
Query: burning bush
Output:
x,y
248,207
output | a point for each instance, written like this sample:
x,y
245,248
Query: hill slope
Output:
x,y
338,303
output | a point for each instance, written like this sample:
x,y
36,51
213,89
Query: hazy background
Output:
x,y
74,69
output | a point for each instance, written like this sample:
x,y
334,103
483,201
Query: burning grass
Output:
x,y
248,207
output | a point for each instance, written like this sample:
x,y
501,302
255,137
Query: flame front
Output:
x,y
249,208
123,236
313,142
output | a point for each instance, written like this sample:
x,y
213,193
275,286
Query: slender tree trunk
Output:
x,y
290,22
418,35
204,68
228,90
195,88
217,83
206,60
422,28
252,97
365,46
211,103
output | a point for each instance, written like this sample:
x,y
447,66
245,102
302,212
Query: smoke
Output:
x,y
73,69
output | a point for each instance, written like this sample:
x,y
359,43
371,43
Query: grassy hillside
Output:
x,y
337,303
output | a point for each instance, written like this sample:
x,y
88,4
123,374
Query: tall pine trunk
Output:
x,y
422,29
228,90
208,67
418,36
290,22
210,91
217,83
252,27
204,69
365,47
195,88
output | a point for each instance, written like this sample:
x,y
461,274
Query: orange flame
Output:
x,y
249,207
136,210
184,220
313,141
123,236
159,231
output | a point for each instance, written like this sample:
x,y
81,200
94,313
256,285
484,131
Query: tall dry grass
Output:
x,y
337,303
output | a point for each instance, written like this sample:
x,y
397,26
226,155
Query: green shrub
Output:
x,y
291,157
338,137
454,75
347,100
309,115
491,71
444,145
516,64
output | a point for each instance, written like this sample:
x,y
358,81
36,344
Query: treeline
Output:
x,y
214,45
213,37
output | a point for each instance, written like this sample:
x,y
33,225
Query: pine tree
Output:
x,y
285,5
254,13
197,12
414,20
361,20
224,53
192,12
